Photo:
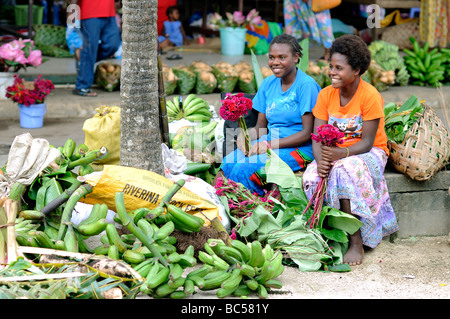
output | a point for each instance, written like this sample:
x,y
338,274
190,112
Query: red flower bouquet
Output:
x,y
328,135
234,108
23,93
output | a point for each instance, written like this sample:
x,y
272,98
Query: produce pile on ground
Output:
x,y
136,254
201,78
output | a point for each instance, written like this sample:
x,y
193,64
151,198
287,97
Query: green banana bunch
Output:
x,y
446,53
173,109
240,269
182,220
196,109
426,67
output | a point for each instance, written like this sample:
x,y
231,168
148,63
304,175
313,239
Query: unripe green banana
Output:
x,y
44,241
114,238
233,281
71,240
257,256
161,277
175,271
29,214
262,292
243,249
214,283
113,252
132,257
94,228
189,287
69,148
164,231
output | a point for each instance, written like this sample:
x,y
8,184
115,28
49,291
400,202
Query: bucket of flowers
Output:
x,y
30,98
14,56
233,29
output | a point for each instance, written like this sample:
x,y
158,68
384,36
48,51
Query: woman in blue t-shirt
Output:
x,y
284,102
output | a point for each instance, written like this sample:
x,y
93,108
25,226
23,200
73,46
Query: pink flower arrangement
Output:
x,y
23,93
235,20
241,201
329,135
234,108
19,54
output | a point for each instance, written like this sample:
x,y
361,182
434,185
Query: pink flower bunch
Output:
x,y
19,54
234,106
235,20
241,200
328,134
22,93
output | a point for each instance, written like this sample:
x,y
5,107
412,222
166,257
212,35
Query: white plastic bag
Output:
x,y
27,157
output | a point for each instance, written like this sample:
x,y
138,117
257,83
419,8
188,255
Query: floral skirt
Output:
x,y
302,22
250,172
360,179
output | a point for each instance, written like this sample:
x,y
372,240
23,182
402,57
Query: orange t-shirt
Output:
x,y
367,104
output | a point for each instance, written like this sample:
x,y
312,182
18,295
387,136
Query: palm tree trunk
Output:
x,y
140,142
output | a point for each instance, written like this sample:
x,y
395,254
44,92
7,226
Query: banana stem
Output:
x,y
81,191
61,198
128,222
172,191
90,157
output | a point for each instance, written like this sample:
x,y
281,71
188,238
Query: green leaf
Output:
x,y
53,191
304,60
339,268
256,70
334,234
279,172
343,221
40,196
261,221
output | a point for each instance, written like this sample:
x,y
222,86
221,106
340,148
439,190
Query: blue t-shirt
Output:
x,y
172,28
284,110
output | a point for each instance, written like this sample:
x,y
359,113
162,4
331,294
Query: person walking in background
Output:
x,y
301,22
101,39
356,184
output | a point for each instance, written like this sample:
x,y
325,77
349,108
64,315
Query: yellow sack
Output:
x,y
143,188
104,130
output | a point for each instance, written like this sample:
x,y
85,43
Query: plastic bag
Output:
x,y
143,188
27,158
104,130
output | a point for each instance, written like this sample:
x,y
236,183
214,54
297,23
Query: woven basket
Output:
x,y
425,149
399,34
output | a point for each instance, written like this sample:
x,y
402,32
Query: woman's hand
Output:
x,y
258,148
240,143
323,168
333,153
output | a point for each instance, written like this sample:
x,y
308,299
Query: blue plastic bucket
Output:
x,y
232,40
32,116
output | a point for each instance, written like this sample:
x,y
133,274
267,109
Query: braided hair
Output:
x,y
290,40
355,49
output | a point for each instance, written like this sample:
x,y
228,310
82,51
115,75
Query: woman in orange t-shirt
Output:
x,y
355,184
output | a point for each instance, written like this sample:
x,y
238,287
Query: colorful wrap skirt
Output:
x,y
250,171
360,179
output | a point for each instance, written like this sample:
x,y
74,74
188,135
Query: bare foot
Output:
x,y
355,252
